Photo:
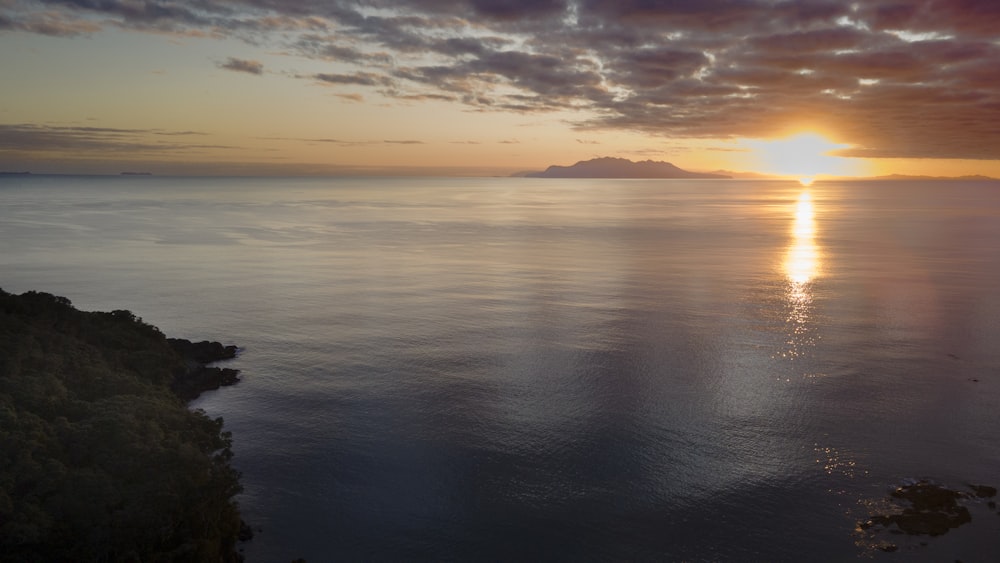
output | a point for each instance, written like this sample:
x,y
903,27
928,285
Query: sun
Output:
x,y
803,156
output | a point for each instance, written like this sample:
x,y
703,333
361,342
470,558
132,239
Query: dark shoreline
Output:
x,y
105,460
199,376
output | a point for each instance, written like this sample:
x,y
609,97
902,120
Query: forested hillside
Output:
x,y
99,459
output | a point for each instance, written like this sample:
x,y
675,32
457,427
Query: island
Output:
x,y
102,458
609,167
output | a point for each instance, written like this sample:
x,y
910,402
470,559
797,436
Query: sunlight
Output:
x,y
803,157
801,266
802,259
805,225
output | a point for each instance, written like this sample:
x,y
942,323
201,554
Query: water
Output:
x,y
529,369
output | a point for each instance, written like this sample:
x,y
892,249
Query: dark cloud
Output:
x,y
652,67
242,65
48,24
329,48
19,138
896,78
812,41
427,97
500,9
345,142
964,17
716,16
144,14
358,78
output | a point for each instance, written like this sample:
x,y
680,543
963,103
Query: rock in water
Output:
x,y
929,509
199,377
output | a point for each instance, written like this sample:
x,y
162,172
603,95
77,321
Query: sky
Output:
x,y
492,87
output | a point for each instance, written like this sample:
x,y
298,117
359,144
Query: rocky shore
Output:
x,y
103,459
199,376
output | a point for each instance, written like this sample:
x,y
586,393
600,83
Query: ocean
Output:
x,y
513,369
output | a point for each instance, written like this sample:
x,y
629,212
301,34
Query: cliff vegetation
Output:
x,y
100,458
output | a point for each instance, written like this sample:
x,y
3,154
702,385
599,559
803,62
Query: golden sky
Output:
x,y
493,87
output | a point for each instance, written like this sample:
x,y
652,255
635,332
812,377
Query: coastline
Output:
x,y
107,460
199,375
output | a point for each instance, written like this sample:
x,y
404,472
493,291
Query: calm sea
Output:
x,y
528,369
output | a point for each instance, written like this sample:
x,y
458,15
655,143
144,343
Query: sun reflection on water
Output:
x,y
801,266
802,259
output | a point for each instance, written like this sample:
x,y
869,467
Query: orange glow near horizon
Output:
x,y
804,156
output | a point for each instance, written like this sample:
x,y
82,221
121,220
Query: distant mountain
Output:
x,y
608,167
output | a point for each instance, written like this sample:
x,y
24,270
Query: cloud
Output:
x,y
242,65
31,138
49,23
358,78
895,78
345,142
143,15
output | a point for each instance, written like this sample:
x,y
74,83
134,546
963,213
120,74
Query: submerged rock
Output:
x,y
984,491
888,547
922,507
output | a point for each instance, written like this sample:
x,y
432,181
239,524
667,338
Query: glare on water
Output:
x,y
802,258
801,265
